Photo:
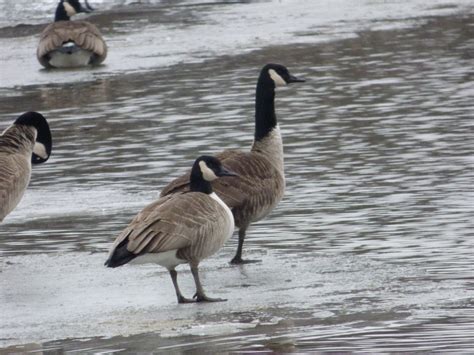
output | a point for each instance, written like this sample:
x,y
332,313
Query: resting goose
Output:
x,y
26,141
180,229
68,44
260,183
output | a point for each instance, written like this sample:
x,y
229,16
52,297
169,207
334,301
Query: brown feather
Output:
x,y
16,147
188,222
83,33
251,195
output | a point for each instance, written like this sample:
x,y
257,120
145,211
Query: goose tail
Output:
x,y
120,255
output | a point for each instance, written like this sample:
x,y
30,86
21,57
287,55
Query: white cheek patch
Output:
x,y
40,150
279,81
71,11
207,173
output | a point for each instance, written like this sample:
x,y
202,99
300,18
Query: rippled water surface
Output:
x,y
371,249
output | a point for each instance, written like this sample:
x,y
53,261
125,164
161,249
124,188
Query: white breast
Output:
x,y
229,227
272,147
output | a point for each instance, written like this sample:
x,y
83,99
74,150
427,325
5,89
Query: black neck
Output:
x,y
61,14
198,184
265,118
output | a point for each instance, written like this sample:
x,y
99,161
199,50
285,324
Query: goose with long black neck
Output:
x,y
180,229
68,44
260,184
27,141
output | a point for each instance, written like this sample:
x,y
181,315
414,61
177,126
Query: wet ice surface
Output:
x,y
371,249
303,297
165,33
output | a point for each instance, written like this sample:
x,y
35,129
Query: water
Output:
x,y
163,33
371,248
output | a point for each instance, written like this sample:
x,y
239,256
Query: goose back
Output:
x,y
252,194
194,224
84,34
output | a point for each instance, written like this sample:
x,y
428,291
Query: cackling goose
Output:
x,y
180,229
68,44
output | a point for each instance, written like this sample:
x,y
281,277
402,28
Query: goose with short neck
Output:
x,y
66,43
180,229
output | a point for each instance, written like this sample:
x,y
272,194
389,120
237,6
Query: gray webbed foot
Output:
x,y
183,299
204,298
239,261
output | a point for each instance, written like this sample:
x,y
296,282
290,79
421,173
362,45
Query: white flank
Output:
x,y
279,81
167,259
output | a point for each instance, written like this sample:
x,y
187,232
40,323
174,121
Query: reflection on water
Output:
x,y
378,149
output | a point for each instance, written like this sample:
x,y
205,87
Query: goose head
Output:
x,y
210,168
43,142
205,170
68,8
271,77
277,75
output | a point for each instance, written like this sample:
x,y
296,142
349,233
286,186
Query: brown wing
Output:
x,y
178,185
172,222
14,178
181,183
256,178
83,33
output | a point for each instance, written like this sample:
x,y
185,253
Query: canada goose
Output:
x,y
26,141
180,229
260,183
68,44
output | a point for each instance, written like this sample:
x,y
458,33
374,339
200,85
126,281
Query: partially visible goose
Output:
x,y
260,184
68,44
26,141
180,229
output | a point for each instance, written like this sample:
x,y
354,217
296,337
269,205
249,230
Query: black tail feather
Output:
x,y
120,256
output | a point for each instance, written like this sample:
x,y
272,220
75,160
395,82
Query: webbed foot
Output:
x,y
182,299
239,261
204,298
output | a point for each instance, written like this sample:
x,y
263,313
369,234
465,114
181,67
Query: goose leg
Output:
x,y
174,278
200,296
238,255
